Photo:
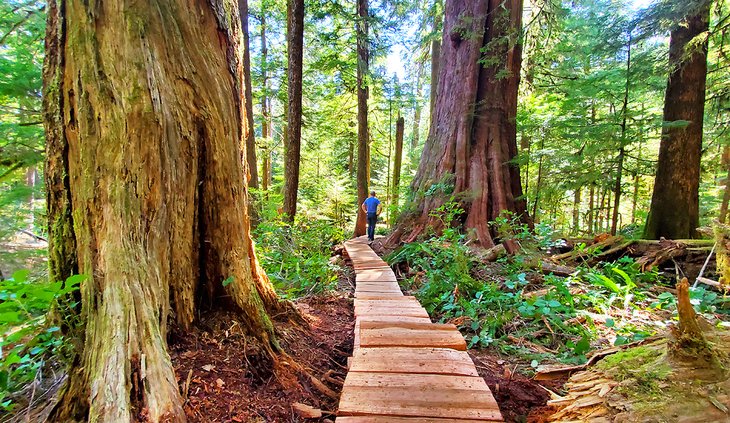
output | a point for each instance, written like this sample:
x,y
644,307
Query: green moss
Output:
x,y
644,368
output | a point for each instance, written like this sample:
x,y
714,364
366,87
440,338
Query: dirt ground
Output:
x,y
224,385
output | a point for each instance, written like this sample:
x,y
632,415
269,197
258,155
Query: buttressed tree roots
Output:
x,y
147,195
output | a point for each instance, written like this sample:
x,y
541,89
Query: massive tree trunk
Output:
x,y
473,137
250,141
147,194
674,211
399,129
363,153
292,144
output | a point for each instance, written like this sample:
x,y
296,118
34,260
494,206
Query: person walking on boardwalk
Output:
x,y
372,207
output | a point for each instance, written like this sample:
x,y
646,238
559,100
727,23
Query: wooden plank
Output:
x,y
365,295
424,395
393,419
375,275
413,360
389,311
378,334
397,302
394,319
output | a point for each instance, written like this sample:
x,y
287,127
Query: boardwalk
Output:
x,y
405,368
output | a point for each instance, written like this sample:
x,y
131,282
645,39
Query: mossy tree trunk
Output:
x,y
473,137
146,192
674,211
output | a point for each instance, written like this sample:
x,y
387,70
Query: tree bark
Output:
x,y
674,211
399,129
293,139
591,211
249,133
435,66
265,113
473,138
622,149
363,153
417,111
146,193
726,190
576,210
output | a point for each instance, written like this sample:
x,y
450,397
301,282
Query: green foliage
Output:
x,y
297,258
26,340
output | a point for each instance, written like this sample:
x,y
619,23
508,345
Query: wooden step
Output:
x,y
424,395
444,361
392,419
379,334
375,275
382,310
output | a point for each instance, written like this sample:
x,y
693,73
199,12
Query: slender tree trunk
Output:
x,y
538,183
417,110
473,137
601,208
399,129
265,113
726,190
591,211
576,210
146,193
435,66
292,144
622,150
674,211
249,133
363,150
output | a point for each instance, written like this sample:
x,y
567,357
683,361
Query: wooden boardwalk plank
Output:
x,y
379,334
393,419
405,369
414,311
431,396
413,360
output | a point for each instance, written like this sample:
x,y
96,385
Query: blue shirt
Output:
x,y
372,203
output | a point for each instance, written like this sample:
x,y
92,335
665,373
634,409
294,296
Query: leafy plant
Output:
x,y
26,340
297,257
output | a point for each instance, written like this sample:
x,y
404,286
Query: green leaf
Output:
x,y
21,275
534,363
610,323
228,280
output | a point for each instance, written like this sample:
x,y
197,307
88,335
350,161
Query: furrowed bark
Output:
x,y
473,138
292,144
399,129
145,157
674,211
249,133
363,153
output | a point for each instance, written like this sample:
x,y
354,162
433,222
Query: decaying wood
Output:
x,y
559,372
306,411
689,333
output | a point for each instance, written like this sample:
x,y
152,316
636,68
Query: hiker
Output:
x,y
371,206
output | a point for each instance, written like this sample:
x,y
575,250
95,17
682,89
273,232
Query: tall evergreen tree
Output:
x,y
293,136
674,211
363,150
